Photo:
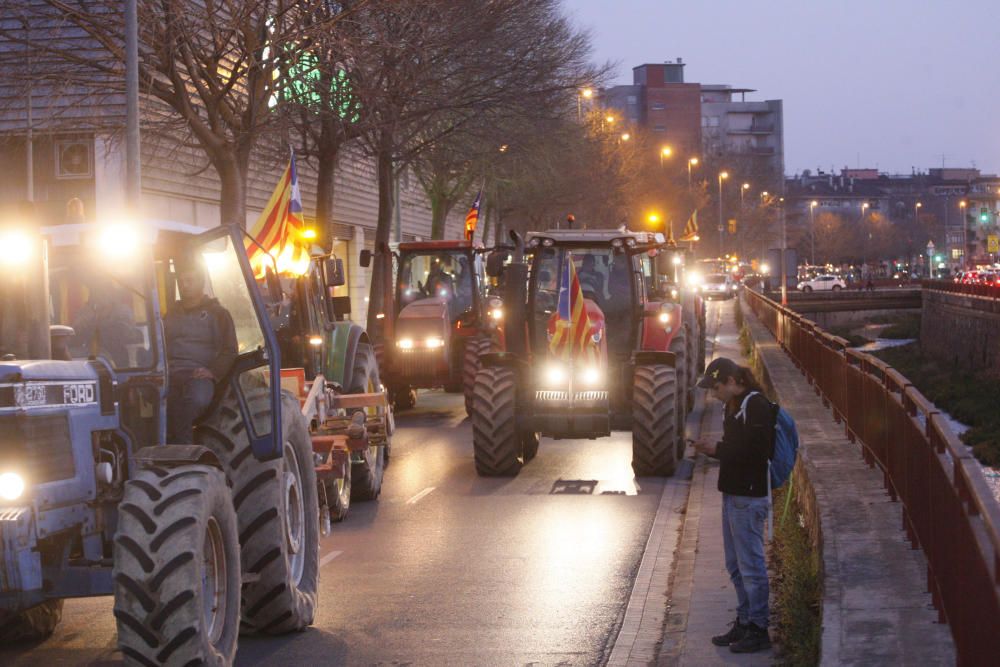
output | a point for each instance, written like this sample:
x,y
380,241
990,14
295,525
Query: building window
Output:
x,y
658,106
632,99
659,128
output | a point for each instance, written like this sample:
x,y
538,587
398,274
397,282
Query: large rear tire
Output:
x,y
497,447
654,422
177,568
31,625
277,505
679,346
474,347
368,466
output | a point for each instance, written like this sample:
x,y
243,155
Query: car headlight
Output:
x,y
11,486
555,374
591,376
405,343
433,343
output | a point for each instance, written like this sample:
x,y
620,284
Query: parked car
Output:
x,y
718,286
821,283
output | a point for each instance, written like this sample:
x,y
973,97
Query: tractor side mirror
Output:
x,y
274,293
494,263
366,258
334,269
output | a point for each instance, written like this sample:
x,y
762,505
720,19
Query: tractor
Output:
x,y
199,541
329,364
438,319
675,281
635,378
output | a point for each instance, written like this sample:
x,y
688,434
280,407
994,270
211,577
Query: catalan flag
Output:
x,y
572,337
472,217
691,228
279,229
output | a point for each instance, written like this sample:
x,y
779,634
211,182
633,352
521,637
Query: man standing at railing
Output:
x,y
743,452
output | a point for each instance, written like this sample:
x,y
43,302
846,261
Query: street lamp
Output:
x,y
965,244
723,175
626,136
812,231
585,93
693,162
864,252
666,151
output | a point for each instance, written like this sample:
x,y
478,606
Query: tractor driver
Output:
x,y
591,280
201,347
440,280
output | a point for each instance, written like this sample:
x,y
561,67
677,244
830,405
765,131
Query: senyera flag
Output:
x,y
472,217
572,339
691,228
280,230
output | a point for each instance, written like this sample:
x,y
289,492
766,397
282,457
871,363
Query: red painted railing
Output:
x,y
962,288
948,509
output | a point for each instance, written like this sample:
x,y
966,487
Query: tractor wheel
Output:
x,y
31,625
403,398
692,362
654,421
496,444
338,496
277,505
529,445
679,346
702,338
177,568
368,466
474,347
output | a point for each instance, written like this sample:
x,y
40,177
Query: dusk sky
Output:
x,y
889,83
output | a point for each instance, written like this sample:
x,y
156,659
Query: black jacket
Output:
x,y
202,337
745,447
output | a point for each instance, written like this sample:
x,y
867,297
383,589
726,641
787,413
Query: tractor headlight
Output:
x,y
664,317
11,486
673,293
555,374
592,376
15,248
433,343
497,314
405,343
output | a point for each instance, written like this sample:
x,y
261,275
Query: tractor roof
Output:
x,y
148,231
431,246
592,237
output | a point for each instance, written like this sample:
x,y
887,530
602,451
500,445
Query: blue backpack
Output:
x,y
786,443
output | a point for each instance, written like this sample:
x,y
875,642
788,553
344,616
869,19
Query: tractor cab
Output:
x,y
448,273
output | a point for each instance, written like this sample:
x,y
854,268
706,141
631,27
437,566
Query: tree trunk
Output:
x,y
382,268
440,207
328,150
233,198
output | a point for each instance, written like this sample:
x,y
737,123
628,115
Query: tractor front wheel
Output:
x,y
367,466
31,625
497,446
474,348
654,421
679,346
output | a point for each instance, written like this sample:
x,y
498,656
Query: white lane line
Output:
x,y
416,499
329,558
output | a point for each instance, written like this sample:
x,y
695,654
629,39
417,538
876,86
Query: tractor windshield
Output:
x,y
104,304
447,275
605,278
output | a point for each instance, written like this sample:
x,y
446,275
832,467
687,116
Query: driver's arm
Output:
x,y
228,348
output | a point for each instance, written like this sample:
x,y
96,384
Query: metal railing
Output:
x,y
948,509
962,288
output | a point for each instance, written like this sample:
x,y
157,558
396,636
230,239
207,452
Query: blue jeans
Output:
x,y
187,399
743,519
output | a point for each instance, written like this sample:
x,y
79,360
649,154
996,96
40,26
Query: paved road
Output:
x,y
450,569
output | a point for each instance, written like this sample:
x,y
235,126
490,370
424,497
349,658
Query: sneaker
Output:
x,y
734,635
754,639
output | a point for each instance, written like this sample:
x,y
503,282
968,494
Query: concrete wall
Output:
x,y
853,318
962,330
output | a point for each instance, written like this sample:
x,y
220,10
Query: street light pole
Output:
x,y
864,251
812,231
784,248
133,169
722,176
965,243
693,162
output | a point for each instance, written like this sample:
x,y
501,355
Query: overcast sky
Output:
x,y
889,83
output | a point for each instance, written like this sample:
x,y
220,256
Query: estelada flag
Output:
x,y
472,217
279,229
572,337
691,228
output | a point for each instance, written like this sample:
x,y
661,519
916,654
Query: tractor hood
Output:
x,y
41,384
31,371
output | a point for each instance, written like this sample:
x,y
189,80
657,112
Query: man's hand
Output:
x,y
203,373
705,447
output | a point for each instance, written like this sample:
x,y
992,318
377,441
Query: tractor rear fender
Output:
x,y
657,334
341,347
655,358
168,456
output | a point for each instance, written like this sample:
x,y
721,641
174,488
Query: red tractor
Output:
x,y
438,319
675,276
638,372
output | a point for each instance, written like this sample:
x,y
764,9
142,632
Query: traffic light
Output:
x,y
732,225
984,215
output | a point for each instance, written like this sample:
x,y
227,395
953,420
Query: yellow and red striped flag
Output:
x,y
691,228
572,336
472,217
279,229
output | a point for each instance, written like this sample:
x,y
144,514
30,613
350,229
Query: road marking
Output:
x,y
329,558
416,499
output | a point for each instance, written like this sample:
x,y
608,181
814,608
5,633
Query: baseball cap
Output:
x,y
720,370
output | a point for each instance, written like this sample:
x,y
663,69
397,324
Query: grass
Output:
x,y
971,398
906,325
846,332
796,585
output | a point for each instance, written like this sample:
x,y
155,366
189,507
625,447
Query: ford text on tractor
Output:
x,y
197,541
597,353
437,320
329,363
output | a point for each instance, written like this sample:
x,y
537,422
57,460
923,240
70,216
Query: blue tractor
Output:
x,y
198,541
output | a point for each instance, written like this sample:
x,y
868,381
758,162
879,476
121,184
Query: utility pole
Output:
x,y
133,168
